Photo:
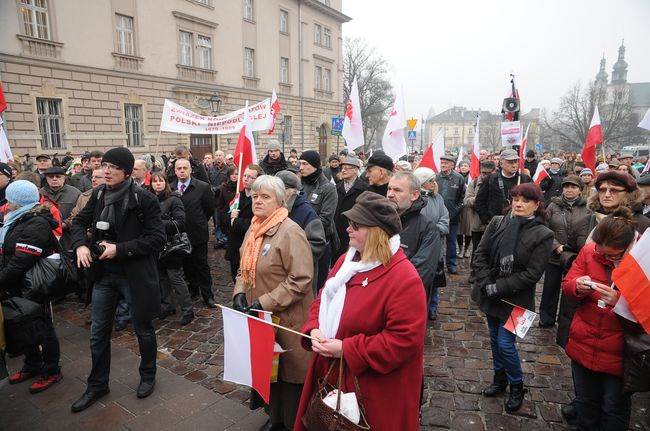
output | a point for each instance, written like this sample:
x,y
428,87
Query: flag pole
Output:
x,y
158,143
241,156
268,323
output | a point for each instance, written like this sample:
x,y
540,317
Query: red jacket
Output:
x,y
54,209
596,335
382,326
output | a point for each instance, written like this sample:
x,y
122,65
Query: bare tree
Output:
x,y
490,131
362,62
572,119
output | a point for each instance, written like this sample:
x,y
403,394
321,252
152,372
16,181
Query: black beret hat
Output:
x,y
381,160
372,209
54,170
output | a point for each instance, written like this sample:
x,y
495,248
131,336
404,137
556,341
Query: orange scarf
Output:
x,y
254,243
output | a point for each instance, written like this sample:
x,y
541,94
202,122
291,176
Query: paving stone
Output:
x,y
550,412
467,421
436,417
527,410
501,422
466,402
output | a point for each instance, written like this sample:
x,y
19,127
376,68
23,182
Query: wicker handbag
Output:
x,y
320,417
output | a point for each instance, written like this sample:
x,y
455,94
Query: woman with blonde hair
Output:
x,y
384,350
275,275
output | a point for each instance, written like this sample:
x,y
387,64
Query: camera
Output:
x,y
96,249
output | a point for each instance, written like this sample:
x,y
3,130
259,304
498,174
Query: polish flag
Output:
x,y
632,278
275,108
475,162
245,149
594,137
431,157
460,157
352,126
5,150
3,101
522,151
644,124
540,174
520,321
393,142
248,351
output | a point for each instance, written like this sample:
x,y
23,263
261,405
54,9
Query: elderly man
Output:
x,y
140,173
274,161
378,171
626,159
218,174
451,186
43,162
333,169
197,169
56,190
348,190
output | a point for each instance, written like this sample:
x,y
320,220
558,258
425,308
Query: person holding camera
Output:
x,y
127,234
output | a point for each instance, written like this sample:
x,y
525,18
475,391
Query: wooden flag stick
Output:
x,y
239,168
269,323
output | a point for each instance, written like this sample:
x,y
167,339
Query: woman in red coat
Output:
x,y
371,312
596,339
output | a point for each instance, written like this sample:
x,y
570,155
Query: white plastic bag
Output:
x,y
349,405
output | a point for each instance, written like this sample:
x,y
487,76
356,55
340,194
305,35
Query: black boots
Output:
x,y
499,385
516,397
4,374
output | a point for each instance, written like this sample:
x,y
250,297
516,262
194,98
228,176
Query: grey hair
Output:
x,y
414,183
147,161
274,184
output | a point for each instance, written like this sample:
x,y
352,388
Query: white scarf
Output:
x,y
333,296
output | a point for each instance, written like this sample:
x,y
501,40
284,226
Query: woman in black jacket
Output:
x,y
26,237
509,261
170,269
226,194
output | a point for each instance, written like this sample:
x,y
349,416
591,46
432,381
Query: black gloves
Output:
x,y
491,290
254,306
239,303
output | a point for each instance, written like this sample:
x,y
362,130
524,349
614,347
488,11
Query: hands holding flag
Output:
x,y
331,348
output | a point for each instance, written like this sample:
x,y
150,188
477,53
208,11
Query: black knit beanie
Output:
x,y
311,157
120,157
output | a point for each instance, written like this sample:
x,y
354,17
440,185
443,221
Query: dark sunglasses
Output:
x,y
354,225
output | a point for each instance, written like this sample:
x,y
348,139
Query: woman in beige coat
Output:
x,y
275,275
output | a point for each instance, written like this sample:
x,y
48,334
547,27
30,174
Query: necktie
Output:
x,y
182,188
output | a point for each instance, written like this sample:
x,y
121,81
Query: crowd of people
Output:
x,y
320,246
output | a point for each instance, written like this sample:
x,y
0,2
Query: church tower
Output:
x,y
601,76
619,72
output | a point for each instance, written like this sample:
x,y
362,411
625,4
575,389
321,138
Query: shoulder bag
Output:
x,y
177,245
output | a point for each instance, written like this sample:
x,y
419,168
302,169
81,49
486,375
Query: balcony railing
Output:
x,y
191,73
40,47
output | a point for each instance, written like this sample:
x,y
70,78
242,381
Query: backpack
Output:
x,y
25,323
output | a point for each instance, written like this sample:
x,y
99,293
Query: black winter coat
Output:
x,y
490,200
29,239
273,167
420,240
140,237
173,218
199,208
552,186
198,172
345,202
322,197
239,227
531,255
570,225
226,194
531,166
452,189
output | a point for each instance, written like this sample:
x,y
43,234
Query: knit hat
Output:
x,y
273,145
381,160
602,168
5,169
333,157
372,209
289,179
556,160
424,174
586,171
120,157
575,180
621,178
22,193
311,157
404,165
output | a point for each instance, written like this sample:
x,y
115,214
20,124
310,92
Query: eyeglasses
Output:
x,y
111,167
616,256
354,225
611,190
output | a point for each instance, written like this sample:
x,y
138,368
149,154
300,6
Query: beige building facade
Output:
x,y
81,75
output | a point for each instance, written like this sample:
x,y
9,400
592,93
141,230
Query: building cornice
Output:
x,y
327,10
194,19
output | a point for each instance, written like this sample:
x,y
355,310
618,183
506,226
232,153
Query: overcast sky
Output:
x,y
461,52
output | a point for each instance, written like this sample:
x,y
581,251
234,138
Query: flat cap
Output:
x,y
352,161
54,170
621,178
573,179
372,209
509,154
381,160
333,157
43,156
602,167
289,179
448,157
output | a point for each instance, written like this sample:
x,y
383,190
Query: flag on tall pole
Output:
x,y
245,150
475,161
352,126
594,137
431,157
522,151
275,108
393,142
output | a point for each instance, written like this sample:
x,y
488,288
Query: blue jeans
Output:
x,y
219,235
600,401
106,294
504,352
433,299
122,313
451,246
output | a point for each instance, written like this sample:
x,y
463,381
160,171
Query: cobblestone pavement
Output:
x,y
457,364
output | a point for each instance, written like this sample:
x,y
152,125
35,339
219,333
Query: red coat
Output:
x,y
382,326
596,335
54,209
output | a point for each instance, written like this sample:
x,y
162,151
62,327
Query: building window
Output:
x,y
50,123
133,124
287,128
185,41
318,76
248,10
205,52
327,37
124,34
36,18
327,80
284,21
284,70
249,62
317,34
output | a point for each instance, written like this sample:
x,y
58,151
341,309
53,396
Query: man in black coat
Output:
x,y
552,185
198,170
127,236
198,200
333,169
451,186
348,189
530,163
274,161
378,171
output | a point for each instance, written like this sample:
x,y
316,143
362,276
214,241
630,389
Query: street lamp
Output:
x,y
215,103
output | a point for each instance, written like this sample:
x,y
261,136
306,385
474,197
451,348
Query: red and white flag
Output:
x,y
5,150
431,157
248,351
352,126
475,161
632,278
460,157
275,108
245,150
522,151
3,101
540,174
519,321
393,142
645,123
594,137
